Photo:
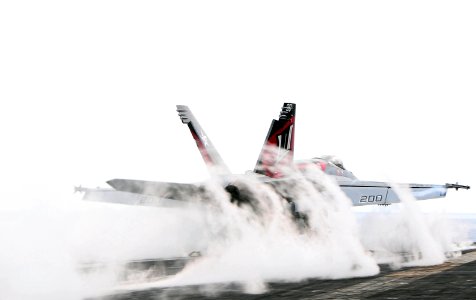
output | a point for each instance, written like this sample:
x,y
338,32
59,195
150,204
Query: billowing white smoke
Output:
x,y
403,236
43,248
254,246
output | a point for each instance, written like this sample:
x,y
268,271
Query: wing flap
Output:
x,y
126,198
167,190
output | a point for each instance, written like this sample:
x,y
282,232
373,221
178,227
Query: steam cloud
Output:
x,y
44,248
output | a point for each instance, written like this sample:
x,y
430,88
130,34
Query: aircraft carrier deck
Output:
x,y
455,279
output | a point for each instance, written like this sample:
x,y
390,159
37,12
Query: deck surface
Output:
x,y
455,279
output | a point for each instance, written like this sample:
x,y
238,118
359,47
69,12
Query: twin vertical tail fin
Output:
x,y
278,150
210,155
276,155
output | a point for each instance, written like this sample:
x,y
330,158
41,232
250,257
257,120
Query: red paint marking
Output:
x,y
201,147
322,165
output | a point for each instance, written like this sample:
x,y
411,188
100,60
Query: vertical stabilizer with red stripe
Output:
x,y
278,149
210,155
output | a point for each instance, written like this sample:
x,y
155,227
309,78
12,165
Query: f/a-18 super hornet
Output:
x,y
272,168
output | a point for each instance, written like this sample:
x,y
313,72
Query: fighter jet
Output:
x,y
275,165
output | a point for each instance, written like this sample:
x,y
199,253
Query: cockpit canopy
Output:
x,y
333,160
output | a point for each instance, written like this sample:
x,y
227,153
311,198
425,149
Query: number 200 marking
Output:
x,y
371,198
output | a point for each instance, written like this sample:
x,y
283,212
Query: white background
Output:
x,y
88,89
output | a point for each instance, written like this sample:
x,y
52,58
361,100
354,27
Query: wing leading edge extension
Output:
x,y
372,192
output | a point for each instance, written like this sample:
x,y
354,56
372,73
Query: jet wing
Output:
x,y
374,192
163,190
151,193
